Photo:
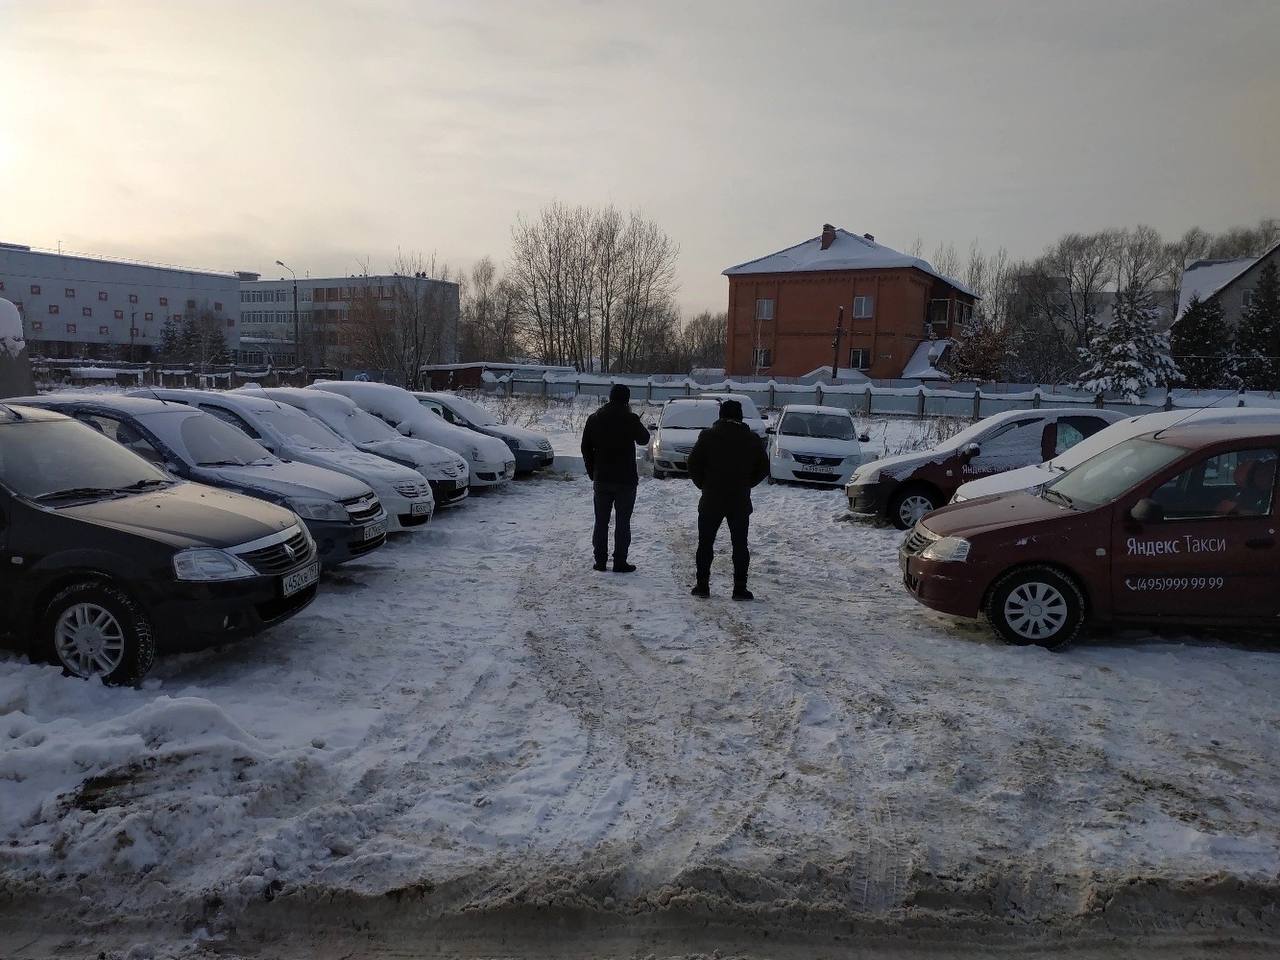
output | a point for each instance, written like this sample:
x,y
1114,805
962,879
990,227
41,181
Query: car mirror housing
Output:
x,y
864,438
969,451
770,429
1146,510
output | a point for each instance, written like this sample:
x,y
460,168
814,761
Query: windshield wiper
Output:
x,y
1051,493
146,484
77,493
221,463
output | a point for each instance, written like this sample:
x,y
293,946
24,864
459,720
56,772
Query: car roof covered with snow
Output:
x,y
16,412
815,408
306,399
124,403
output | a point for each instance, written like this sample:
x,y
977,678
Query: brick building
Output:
x,y
783,307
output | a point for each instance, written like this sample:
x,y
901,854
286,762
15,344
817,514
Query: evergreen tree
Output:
x,y
1128,356
1257,346
1201,346
171,341
979,354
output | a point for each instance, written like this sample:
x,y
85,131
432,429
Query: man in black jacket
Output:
x,y
609,452
726,462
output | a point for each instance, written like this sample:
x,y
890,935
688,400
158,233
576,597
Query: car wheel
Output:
x,y
92,629
1036,605
910,505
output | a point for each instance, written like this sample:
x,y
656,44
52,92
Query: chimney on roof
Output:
x,y
867,236
828,235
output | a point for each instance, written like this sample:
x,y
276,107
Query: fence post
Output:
x,y
977,403
1035,399
920,402
867,401
1240,398
1168,398
1098,401
773,395
544,386
688,387
648,390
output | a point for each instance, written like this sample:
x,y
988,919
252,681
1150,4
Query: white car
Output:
x,y
751,415
677,431
813,444
292,435
448,474
1029,478
490,460
531,450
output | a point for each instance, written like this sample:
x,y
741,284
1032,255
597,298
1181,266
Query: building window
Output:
x,y
939,313
103,330
191,304
1246,299
133,298
217,307
164,301
964,313
863,307
71,328
35,289
133,331
69,293
102,294
860,358
148,316
306,295
86,311
764,309
37,326
119,314
231,322
53,308
761,358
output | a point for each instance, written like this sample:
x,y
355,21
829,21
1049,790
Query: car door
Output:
x,y
1069,430
1214,552
12,560
1016,443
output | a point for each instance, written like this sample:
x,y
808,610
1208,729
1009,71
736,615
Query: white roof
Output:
x,y
924,361
815,408
1204,278
847,252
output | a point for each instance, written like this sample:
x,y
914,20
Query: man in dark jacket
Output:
x,y
726,462
609,452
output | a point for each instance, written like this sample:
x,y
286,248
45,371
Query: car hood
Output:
x,y
821,446
676,435
289,479
188,515
900,465
993,514
364,466
1011,481
434,461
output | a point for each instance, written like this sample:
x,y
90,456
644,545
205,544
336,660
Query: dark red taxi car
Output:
x,y
1176,526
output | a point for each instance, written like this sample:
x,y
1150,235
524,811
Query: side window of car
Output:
x,y
1014,444
1239,483
126,435
234,419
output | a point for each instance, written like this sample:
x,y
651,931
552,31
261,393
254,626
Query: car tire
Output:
x,y
1038,606
123,643
910,504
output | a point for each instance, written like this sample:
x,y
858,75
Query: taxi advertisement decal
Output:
x,y
1138,584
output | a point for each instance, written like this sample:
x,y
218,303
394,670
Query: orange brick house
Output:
x,y
783,308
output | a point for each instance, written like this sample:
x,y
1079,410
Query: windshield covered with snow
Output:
x,y
690,416
830,426
299,429
1104,477
203,439
473,412
356,425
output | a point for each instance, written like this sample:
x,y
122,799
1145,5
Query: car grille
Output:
x,y
413,490
815,477
544,445
450,469
818,461
280,557
917,540
362,509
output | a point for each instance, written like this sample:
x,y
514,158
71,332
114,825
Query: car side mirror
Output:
x,y
969,451
864,438
770,429
764,416
404,429
650,425
1147,510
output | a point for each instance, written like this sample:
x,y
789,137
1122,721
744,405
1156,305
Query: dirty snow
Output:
x,y
473,719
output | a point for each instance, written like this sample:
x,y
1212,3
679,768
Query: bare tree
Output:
x,y
488,308
402,327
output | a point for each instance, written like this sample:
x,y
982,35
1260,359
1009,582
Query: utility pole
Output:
x,y
835,345
297,329
133,325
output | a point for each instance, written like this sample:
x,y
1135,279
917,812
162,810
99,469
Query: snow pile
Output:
x,y
11,341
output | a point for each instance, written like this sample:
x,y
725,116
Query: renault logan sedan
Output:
x,y
813,444
531,450
1178,526
104,559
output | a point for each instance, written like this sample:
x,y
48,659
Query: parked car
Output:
x,y
814,444
490,460
531,450
677,431
751,415
1029,478
107,559
193,445
448,474
906,487
1177,525
290,434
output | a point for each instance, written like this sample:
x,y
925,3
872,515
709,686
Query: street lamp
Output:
x,y
297,333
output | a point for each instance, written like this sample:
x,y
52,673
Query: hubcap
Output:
x,y
89,640
1035,610
913,508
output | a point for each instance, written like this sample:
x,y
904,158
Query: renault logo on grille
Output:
x,y
289,551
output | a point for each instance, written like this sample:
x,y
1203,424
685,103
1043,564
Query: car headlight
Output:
x,y
948,549
476,455
784,454
208,563
869,476
317,509
956,498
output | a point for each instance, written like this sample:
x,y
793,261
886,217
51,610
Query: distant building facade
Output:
x,y
1229,282
326,315
783,308
101,309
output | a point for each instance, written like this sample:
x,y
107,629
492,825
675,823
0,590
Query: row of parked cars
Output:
x,y
176,519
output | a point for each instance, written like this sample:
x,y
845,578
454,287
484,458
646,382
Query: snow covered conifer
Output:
x,y
1201,346
1257,346
1128,355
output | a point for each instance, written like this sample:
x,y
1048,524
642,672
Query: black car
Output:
x,y
104,559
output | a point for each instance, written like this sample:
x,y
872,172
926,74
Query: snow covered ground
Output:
x,y
473,742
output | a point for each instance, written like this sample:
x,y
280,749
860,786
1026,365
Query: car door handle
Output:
x,y
1260,543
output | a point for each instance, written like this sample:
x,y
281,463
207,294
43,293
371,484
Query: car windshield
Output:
x,y
473,412
300,430
690,416
1102,478
61,460
361,427
203,439
830,426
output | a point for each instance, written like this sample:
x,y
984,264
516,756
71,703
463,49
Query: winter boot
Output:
x,y
703,590
621,566
601,566
740,592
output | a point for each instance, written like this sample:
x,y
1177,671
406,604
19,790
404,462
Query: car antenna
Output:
x,y
1193,412
156,395
9,410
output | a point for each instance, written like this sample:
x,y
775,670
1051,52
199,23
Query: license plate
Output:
x,y
818,468
418,510
300,579
375,530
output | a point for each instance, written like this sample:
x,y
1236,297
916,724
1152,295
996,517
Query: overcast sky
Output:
x,y
227,134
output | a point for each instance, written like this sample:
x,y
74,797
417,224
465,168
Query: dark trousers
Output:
x,y
708,526
619,498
